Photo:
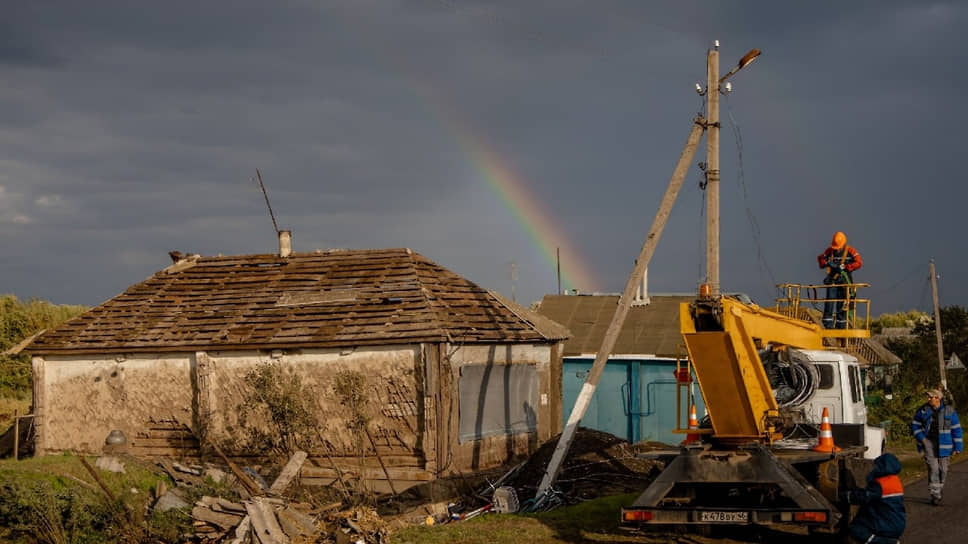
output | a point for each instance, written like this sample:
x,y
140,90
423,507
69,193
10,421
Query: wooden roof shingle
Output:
x,y
652,329
326,299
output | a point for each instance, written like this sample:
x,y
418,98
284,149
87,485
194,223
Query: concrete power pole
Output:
x,y
624,302
712,168
700,125
937,328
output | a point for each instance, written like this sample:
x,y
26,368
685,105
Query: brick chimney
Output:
x,y
285,243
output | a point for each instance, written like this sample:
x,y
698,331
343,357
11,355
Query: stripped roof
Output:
x,y
651,329
324,299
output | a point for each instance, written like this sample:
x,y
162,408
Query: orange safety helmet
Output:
x,y
840,239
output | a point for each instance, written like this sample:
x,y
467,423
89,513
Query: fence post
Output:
x,y
16,436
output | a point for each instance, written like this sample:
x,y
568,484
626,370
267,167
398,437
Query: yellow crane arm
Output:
x,y
723,351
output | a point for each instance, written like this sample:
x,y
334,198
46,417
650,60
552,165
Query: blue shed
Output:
x,y
636,394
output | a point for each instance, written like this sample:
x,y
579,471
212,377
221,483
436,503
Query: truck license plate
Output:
x,y
725,517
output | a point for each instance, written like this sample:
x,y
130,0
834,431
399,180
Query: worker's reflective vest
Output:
x,y
890,487
882,501
949,428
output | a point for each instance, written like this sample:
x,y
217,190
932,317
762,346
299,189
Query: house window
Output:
x,y
496,400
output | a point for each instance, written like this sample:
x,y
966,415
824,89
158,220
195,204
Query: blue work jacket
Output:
x,y
949,429
882,501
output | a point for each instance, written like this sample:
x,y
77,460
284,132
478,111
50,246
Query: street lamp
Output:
x,y
747,58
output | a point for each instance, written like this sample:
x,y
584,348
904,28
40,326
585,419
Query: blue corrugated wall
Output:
x,y
634,400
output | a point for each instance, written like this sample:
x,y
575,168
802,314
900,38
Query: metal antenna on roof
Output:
x,y
266,195
514,279
558,259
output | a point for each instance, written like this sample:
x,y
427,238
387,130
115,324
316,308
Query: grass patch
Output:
x,y
591,521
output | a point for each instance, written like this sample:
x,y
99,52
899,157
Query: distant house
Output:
x,y
458,377
871,353
636,394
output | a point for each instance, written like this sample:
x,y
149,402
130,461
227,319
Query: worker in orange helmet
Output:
x,y
840,260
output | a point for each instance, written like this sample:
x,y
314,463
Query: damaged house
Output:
x,y
456,377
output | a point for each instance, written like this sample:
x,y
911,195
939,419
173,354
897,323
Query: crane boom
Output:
x,y
723,337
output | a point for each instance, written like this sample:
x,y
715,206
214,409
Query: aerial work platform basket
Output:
x,y
805,301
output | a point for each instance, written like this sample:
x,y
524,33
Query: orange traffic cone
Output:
x,y
826,442
693,424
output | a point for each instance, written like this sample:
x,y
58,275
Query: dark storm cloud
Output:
x,y
127,130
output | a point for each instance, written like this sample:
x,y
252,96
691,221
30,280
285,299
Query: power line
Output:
x,y
741,179
907,276
924,295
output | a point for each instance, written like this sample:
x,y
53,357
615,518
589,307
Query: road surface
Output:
x,y
943,524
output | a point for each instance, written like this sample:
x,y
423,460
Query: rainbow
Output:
x,y
512,190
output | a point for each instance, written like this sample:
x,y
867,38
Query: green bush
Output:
x,y
53,500
19,320
58,514
277,413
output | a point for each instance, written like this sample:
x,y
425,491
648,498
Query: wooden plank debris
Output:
x,y
288,473
253,488
265,526
223,520
177,475
242,531
295,523
224,505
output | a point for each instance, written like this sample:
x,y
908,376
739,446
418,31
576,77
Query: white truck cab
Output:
x,y
841,391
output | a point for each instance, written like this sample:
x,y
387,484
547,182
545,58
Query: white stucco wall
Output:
x,y
81,399
391,387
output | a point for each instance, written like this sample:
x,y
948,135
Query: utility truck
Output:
x,y
766,377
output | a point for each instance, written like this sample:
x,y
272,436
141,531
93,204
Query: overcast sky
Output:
x,y
482,135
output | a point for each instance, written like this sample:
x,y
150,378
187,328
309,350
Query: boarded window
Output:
x,y
497,399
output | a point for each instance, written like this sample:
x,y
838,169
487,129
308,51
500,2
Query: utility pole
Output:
x,y
712,168
937,328
699,126
624,302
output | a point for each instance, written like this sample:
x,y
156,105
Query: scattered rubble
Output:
x,y
598,464
262,515
233,505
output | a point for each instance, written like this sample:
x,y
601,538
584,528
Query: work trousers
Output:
x,y
937,468
835,308
862,533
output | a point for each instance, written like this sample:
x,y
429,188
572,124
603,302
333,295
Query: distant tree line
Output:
x,y
899,320
19,320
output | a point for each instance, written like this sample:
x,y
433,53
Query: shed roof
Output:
x,y
651,329
325,299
